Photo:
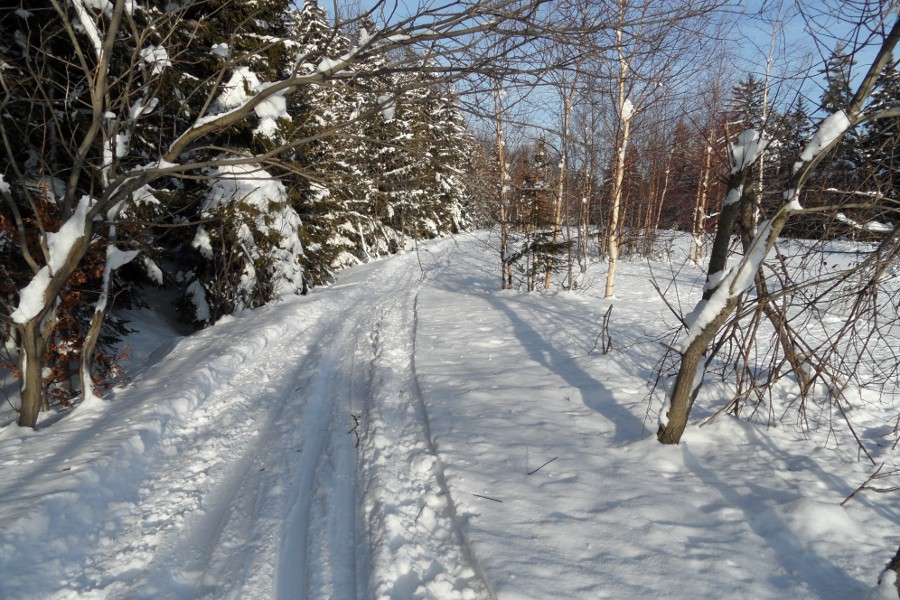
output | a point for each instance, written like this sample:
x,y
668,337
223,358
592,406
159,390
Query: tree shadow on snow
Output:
x,y
596,396
796,560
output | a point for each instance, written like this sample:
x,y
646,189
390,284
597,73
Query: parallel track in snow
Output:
x,y
230,469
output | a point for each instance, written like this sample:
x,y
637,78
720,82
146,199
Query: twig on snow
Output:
x,y
542,466
488,498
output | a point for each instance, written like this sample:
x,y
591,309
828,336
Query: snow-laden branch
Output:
x,y
746,150
33,297
830,129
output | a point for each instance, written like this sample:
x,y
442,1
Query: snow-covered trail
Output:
x,y
414,433
230,469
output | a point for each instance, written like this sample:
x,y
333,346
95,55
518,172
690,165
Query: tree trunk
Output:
x,y
560,188
665,188
625,110
31,364
505,267
36,331
699,225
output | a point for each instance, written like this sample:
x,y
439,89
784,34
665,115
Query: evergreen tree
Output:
x,y
840,173
247,250
747,109
837,69
880,147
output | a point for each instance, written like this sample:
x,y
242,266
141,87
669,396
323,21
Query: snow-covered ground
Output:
x,y
412,432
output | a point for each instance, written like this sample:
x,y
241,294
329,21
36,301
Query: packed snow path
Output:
x,y
413,433
231,470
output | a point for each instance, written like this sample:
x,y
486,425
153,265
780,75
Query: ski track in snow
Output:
x,y
246,483
413,433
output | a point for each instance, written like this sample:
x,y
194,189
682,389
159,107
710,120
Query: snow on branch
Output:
x,y
748,147
871,226
59,246
831,129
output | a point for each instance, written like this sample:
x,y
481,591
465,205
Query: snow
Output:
x,y
746,150
139,109
144,195
887,587
121,144
156,57
872,226
59,245
117,258
88,25
794,205
259,204
498,456
202,242
735,281
153,271
271,109
236,91
831,128
4,185
221,50
627,110
197,295
734,195
328,65
388,105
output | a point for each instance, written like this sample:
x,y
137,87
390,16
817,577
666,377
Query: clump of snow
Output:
x,y
4,185
117,258
627,110
197,295
388,105
139,109
145,195
887,587
121,142
220,49
746,150
152,270
31,297
793,205
271,109
59,245
266,212
86,21
734,282
734,195
202,242
327,65
714,279
871,226
156,57
237,90
831,128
